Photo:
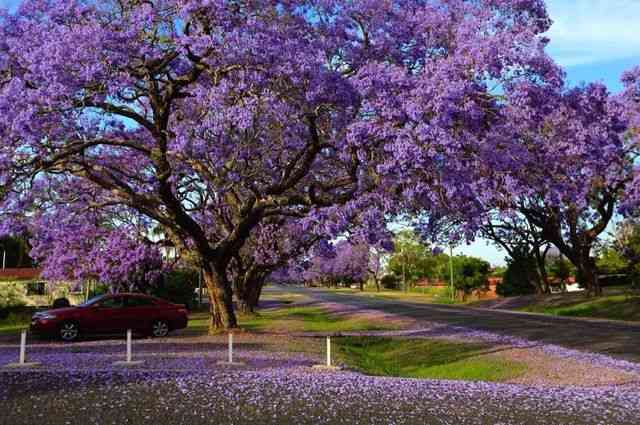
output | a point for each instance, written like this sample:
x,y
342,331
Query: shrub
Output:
x,y
12,294
390,281
517,279
178,286
473,273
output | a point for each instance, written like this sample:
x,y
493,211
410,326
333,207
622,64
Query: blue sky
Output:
x,y
594,40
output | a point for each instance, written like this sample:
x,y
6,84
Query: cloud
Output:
x,y
594,31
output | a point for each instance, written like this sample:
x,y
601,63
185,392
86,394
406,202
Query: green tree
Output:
x,y
17,252
517,277
470,274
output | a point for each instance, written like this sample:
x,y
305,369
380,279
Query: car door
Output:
x,y
107,315
140,312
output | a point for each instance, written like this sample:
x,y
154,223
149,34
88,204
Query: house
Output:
x,y
40,292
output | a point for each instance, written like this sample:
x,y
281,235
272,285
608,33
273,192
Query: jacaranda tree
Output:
x,y
208,117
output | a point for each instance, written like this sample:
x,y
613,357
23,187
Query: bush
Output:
x,y
12,294
473,273
390,281
178,287
517,279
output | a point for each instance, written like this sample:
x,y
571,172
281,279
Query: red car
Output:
x,y
110,314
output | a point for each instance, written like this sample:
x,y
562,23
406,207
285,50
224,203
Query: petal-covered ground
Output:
x,y
180,382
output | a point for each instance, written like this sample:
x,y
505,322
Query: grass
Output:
x,y
421,295
14,323
615,307
296,319
426,358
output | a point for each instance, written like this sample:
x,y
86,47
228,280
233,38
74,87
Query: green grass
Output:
x,y
432,295
307,319
426,358
615,307
14,323
296,319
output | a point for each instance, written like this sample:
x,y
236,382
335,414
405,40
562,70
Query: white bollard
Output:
x,y
230,361
327,365
129,361
23,346
128,345
22,358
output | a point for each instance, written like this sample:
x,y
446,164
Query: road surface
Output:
x,y
617,339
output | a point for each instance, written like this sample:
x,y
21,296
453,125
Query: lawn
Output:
x,y
296,319
426,358
421,295
615,307
14,322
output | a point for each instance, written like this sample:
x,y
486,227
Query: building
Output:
x,y
40,292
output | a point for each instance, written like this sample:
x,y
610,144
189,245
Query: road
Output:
x,y
617,339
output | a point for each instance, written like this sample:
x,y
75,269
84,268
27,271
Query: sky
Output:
x,y
594,40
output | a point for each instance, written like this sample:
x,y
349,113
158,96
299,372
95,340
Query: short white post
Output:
x,y
230,361
23,347
128,345
22,358
129,360
328,351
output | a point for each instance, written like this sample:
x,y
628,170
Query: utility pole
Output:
x,y
453,294
404,278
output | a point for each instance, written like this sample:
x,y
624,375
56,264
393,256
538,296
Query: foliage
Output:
x,y
390,281
16,251
210,118
516,279
561,269
12,294
178,286
611,261
470,274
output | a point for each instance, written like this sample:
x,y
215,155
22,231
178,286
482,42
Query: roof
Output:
x,y
20,274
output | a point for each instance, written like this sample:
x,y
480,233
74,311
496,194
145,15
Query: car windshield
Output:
x,y
91,301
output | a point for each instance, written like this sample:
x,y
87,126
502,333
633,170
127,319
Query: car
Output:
x,y
111,314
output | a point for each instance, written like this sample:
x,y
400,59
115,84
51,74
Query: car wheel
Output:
x,y
69,331
159,328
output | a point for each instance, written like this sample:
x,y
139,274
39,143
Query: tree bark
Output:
x,y
588,276
249,296
220,299
377,282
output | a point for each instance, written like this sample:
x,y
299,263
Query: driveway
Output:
x,y
617,339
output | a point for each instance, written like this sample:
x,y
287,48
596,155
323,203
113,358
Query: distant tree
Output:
x,y
525,245
16,250
517,276
627,245
472,274
561,269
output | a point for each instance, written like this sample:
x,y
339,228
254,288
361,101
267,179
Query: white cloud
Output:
x,y
594,31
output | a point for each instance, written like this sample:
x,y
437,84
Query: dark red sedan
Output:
x,y
111,314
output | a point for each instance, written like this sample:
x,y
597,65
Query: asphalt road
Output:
x,y
617,339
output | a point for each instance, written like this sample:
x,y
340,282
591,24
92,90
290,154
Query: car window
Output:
x,y
139,302
112,302
91,301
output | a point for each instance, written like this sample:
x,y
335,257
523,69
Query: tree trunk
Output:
x,y
377,282
249,296
361,286
588,276
220,300
541,261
